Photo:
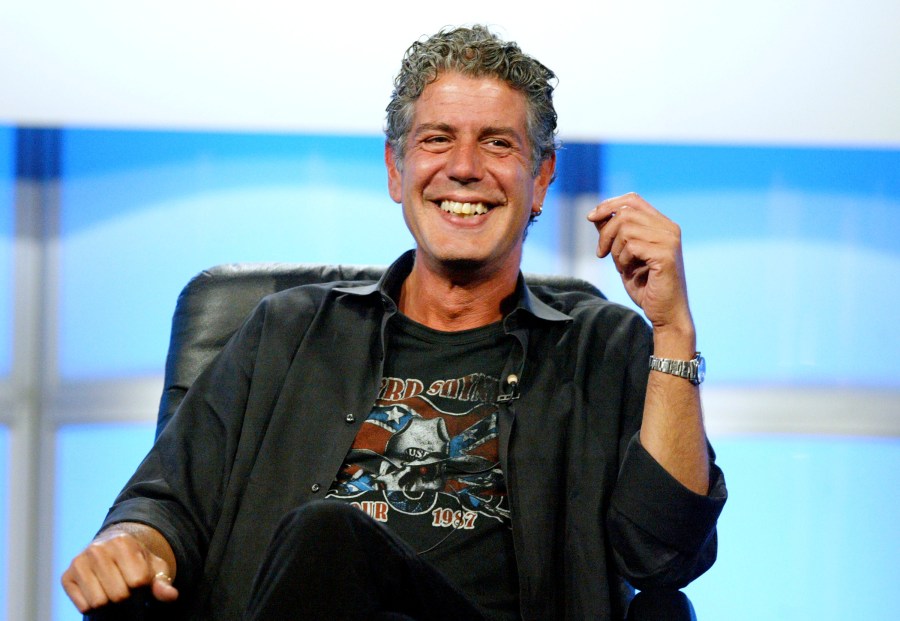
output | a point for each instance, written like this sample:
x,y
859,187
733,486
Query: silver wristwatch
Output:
x,y
693,370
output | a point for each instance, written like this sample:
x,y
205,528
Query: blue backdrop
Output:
x,y
792,258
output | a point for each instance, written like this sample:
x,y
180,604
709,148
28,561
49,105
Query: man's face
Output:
x,y
466,183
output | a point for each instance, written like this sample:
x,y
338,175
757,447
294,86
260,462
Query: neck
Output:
x,y
454,300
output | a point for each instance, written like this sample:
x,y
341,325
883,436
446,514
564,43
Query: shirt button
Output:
x,y
315,487
350,418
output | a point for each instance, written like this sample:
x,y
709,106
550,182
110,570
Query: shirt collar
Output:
x,y
389,283
531,304
527,303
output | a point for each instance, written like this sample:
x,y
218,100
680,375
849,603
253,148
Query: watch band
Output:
x,y
693,370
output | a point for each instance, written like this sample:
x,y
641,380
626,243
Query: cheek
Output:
x,y
415,177
527,185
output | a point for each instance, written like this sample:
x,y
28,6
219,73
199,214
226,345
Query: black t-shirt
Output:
x,y
426,460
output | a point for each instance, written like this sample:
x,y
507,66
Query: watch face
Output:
x,y
701,369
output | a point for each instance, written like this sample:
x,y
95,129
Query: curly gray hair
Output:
x,y
474,52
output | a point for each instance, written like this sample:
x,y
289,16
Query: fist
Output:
x,y
112,567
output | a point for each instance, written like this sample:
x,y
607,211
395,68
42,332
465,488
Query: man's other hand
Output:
x,y
118,561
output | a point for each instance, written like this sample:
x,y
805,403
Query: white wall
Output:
x,y
768,71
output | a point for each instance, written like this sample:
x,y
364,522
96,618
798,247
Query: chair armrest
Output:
x,y
661,605
141,606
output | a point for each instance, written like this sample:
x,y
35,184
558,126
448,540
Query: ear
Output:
x,y
395,179
542,181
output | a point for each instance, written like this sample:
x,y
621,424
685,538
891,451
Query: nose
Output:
x,y
465,164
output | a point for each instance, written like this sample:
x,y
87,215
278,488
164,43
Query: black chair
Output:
x,y
214,304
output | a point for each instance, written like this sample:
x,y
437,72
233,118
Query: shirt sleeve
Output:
x,y
662,534
178,488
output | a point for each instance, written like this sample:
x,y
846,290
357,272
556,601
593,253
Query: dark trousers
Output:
x,y
329,560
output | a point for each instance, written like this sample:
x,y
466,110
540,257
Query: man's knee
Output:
x,y
321,522
319,513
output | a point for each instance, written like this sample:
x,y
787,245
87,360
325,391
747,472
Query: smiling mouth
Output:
x,y
464,209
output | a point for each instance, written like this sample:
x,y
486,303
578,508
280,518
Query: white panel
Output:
x,y
767,71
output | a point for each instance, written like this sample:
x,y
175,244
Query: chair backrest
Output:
x,y
214,304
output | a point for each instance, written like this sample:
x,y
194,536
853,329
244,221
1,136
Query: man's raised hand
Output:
x,y
646,249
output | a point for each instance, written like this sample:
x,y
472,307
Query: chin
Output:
x,y
463,264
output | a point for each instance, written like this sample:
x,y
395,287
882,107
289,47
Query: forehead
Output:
x,y
462,101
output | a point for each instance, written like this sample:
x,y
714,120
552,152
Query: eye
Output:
x,y
498,145
437,142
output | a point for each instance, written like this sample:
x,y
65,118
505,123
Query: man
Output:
x,y
487,451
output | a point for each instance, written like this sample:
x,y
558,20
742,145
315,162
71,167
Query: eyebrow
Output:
x,y
508,132
427,127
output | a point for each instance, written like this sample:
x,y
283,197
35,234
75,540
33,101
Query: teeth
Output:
x,y
464,209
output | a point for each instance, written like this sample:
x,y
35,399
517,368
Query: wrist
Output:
x,y
693,370
676,342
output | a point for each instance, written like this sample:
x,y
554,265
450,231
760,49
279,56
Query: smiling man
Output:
x,y
465,178
509,453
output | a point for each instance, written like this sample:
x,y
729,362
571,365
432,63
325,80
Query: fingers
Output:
x,y
97,576
162,583
645,247
609,208
632,230
109,570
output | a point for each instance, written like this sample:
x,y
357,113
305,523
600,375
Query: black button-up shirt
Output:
x,y
269,423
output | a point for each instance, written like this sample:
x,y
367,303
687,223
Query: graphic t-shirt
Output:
x,y
426,461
